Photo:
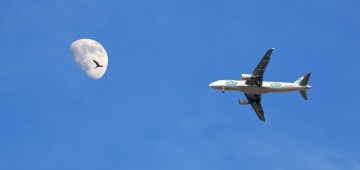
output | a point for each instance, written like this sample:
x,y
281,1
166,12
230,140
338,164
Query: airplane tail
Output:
x,y
304,94
303,81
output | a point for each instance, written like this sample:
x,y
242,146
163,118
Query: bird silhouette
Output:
x,y
97,64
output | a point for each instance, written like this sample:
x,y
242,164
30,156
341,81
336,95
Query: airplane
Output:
x,y
253,86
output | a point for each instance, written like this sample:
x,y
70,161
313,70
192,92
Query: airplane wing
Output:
x,y
255,101
260,69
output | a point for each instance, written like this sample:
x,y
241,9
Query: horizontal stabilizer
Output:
x,y
303,94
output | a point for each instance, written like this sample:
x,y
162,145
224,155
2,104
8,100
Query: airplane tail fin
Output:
x,y
303,81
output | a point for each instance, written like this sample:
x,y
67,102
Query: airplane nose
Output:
x,y
212,85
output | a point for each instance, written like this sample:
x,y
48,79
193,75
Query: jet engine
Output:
x,y
246,76
243,101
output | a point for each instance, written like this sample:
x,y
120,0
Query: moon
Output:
x,y
90,56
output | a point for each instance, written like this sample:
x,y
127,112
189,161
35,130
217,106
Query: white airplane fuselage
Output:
x,y
267,86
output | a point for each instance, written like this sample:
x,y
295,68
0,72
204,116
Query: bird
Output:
x,y
97,64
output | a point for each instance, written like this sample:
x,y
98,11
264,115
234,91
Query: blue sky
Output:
x,y
153,108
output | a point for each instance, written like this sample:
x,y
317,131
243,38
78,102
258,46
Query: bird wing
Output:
x,y
97,64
